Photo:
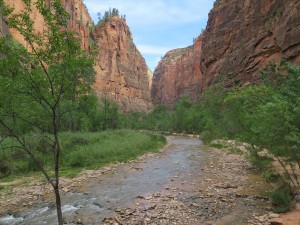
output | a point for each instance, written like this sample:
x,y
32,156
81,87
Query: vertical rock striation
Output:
x,y
121,71
178,74
80,20
242,38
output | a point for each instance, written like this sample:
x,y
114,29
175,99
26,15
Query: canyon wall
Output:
x,y
178,74
80,20
121,71
241,38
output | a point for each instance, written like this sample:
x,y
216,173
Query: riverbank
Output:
x,y
185,183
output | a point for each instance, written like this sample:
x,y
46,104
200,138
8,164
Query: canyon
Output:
x,y
241,39
121,72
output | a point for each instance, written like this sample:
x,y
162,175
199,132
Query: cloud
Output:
x,y
155,12
158,25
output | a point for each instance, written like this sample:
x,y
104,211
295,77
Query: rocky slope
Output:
x,y
178,74
242,37
121,71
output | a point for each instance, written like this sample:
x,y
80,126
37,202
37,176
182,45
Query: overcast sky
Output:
x,y
158,26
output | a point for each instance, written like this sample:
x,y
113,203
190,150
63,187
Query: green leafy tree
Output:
x,y
108,15
109,113
269,118
35,85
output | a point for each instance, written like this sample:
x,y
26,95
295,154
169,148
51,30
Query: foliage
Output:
x,y
281,199
184,118
271,176
109,113
266,115
262,163
83,150
108,15
40,86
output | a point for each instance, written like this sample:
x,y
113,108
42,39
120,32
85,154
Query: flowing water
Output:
x,y
101,197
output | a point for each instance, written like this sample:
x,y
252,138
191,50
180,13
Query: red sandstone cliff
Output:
x,y
121,71
178,74
242,37
80,20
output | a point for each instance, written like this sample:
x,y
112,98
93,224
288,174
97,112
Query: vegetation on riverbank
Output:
x,y
83,151
264,115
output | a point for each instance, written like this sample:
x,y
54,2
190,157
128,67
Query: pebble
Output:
x,y
276,221
273,215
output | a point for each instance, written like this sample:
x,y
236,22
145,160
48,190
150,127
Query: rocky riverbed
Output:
x,y
186,183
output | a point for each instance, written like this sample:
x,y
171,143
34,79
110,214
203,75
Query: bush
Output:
x,y
281,199
262,163
271,176
5,168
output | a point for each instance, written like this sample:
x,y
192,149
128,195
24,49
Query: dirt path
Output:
x,y
184,184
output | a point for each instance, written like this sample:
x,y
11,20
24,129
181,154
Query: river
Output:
x,y
102,197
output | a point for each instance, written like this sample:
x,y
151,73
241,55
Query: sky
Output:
x,y
158,26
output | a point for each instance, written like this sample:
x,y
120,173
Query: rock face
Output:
x,y
3,27
178,74
242,37
121,71
80,20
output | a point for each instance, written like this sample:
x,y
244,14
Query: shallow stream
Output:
x,y
182,158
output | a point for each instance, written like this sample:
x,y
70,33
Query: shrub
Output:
x,y
271,176
281,199
5,168
262,163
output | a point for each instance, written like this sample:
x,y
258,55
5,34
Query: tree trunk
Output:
x,y
58,206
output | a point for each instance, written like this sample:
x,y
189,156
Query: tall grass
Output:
x,y
97,149
81,150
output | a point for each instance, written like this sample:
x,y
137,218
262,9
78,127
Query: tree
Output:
x,y
108,15
35,84
268,115
109,115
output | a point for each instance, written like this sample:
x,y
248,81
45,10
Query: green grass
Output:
x,y
85,151
271,176
235,150
7,179
217,145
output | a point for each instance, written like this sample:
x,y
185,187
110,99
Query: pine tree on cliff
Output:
x,y
108,15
